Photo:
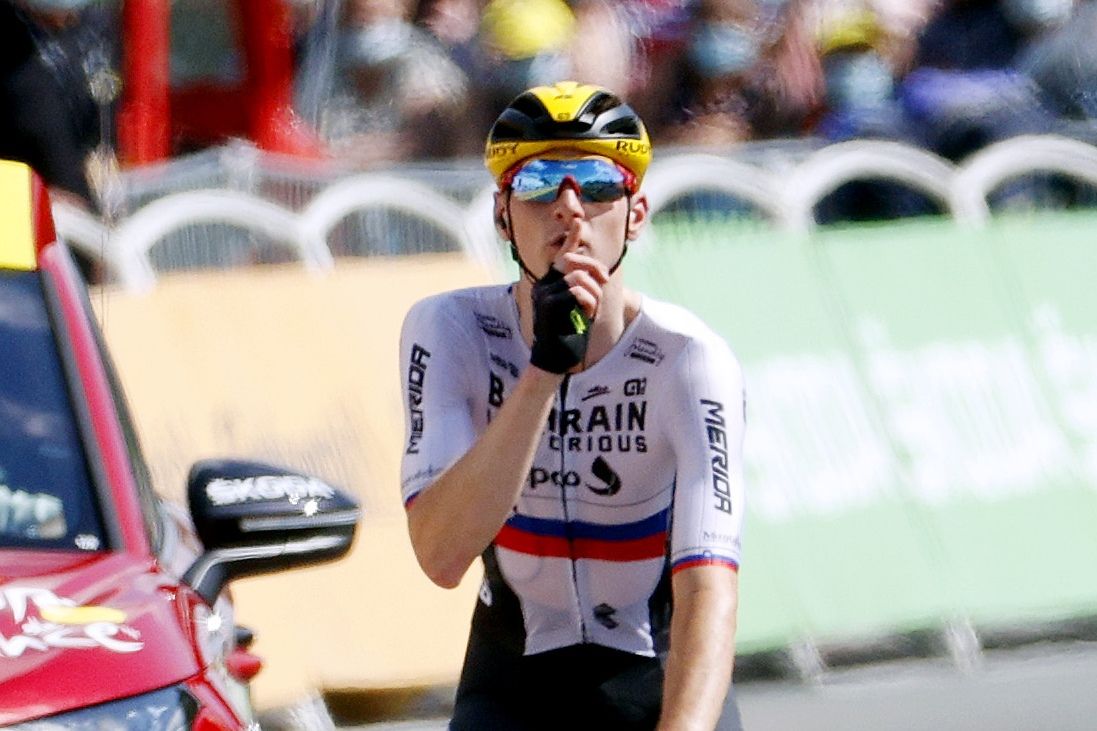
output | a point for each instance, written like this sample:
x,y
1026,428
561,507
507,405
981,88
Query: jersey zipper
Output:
x,y
567,516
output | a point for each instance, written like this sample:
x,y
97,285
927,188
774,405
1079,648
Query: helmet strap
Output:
x,y
514,246
624,245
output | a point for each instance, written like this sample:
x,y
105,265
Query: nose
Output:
x,y
568,204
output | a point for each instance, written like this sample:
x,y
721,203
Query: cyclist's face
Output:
x,y
540,228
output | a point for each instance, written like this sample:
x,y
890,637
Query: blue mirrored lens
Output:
x,y
539,181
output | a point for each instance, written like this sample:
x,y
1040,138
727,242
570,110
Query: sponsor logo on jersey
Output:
x,y
493,326
603,613
506,365
614,427
560,478
427,473
713,537
417,375
599,443
611,481
718,447
636,386
496,391
622,416
645,350
600,469
595,392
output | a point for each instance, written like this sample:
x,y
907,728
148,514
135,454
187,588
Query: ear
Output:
x,y
502,225
638,215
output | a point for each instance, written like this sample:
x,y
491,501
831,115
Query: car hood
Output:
x,y
78,629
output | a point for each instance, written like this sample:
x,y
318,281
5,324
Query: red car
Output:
x,y
112,605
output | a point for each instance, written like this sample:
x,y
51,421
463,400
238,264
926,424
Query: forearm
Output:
x,y
702,648
454,520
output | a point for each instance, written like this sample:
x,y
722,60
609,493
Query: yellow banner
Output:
x,y
301,370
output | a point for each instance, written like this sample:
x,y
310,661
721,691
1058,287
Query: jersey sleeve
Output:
x,y
438,425
706,432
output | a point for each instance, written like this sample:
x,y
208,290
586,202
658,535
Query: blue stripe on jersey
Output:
x,y
578,529
705,557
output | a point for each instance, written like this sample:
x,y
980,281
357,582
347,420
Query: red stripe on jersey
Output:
x,y
639,549
532,543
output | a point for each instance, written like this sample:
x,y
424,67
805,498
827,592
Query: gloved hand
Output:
x,y
560,327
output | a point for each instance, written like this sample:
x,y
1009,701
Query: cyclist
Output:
x,y
585,441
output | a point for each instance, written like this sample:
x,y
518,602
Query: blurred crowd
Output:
x,y
415,79
385,81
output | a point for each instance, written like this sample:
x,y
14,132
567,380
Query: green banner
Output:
x,y
982,447
921,441
830,548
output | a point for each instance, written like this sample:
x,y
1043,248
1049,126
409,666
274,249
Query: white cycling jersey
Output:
x,y
638,469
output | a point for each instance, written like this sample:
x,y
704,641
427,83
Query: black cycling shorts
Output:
x,y
578,687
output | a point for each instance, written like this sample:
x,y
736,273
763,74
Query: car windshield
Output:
x,y
46,495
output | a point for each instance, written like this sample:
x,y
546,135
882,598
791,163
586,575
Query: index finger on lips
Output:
x,y
574,236
572,241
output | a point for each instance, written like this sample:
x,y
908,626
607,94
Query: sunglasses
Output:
x,y
597,181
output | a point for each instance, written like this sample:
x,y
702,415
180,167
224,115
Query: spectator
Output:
x,y
860,102
455,27
601,48
506,46
454,24
859,83
966,90
901,21
1063,63
315,36
1035,18
791,91
794,95
723,52
49,67
393,82
525,43
969,34
660,32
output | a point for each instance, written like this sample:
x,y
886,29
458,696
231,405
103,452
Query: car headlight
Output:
x,y
170,709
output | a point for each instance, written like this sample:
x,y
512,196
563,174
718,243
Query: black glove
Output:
x,y
560,328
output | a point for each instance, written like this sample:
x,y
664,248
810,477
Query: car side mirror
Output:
x,y
253,518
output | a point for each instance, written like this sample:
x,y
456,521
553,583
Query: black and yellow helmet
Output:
x,y
568,115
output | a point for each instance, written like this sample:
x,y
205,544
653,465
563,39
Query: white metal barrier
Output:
x,y
131,242
788,199
379,191
677,176
824,171
986,170
84,232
